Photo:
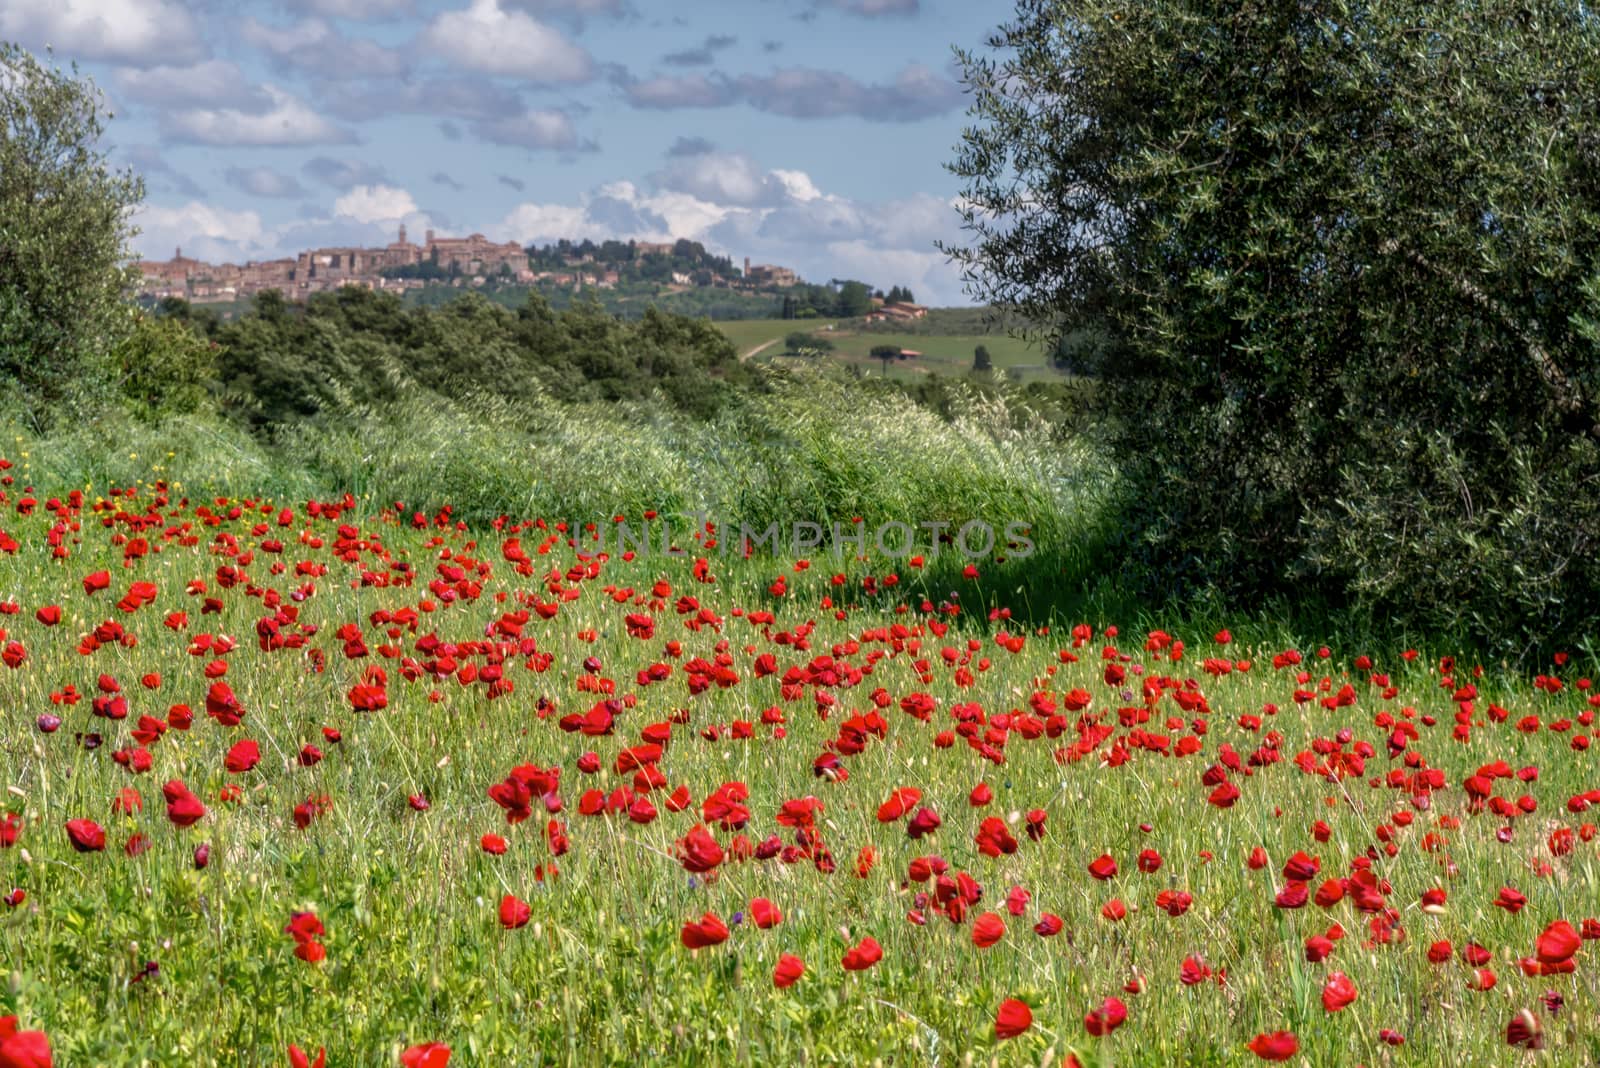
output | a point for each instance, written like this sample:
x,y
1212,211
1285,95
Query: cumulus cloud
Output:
x,y
375,203
342,173
314,45
774,216
722,178
138,33
917,92
262,182
491,40
201,230
288,121
199,83
689,91
541,130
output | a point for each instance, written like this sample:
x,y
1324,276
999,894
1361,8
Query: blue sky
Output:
x,y
808,133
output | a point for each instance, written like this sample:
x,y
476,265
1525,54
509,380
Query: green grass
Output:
x,y
409,899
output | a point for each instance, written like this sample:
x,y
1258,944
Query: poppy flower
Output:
x,y
298,1058
1510,899
1337,991
427,1055
698,851
1557,943
1105,1019
862,955
492,844
709,931
788,971
87,836
23,1049
765,914
1012,1018
1278,1046
1103,867
987,930
183,807
514,912
901,801
1049,925
1524,1031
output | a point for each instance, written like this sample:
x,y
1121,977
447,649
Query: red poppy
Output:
x,y
698,851
183,808
1278,1046
1557,943
298,1058
1510,899
1012,1018
765,914
862,955
1524,1031
1105,1019
1103,867
901,801
1337,991
87,836
709,931
987,930
427,1055
23,1049
788,971
514,912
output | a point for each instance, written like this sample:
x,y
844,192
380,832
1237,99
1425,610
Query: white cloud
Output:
x,y
375,203
289,121
139,33
798,184
542,129
488,39
203,231
314,45
200,83
724,178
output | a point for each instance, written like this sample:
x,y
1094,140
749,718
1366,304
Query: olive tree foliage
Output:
x,y
1343,259
64,227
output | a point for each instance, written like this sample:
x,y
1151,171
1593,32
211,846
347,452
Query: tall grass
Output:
x,y
809,451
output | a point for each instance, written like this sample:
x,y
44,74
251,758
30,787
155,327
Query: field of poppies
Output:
x,y
304,782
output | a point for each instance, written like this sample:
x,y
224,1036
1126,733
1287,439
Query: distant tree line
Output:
x,y
283,362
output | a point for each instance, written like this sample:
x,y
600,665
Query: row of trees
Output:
x,y
285,363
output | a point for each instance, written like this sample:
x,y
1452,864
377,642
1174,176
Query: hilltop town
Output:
x,y
466,261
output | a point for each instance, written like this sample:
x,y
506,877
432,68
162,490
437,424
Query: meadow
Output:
x,y
942,354
345,774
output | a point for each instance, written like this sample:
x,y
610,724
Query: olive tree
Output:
x,y
64,228
1344,260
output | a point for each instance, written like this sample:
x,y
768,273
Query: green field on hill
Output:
x,y
945,354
